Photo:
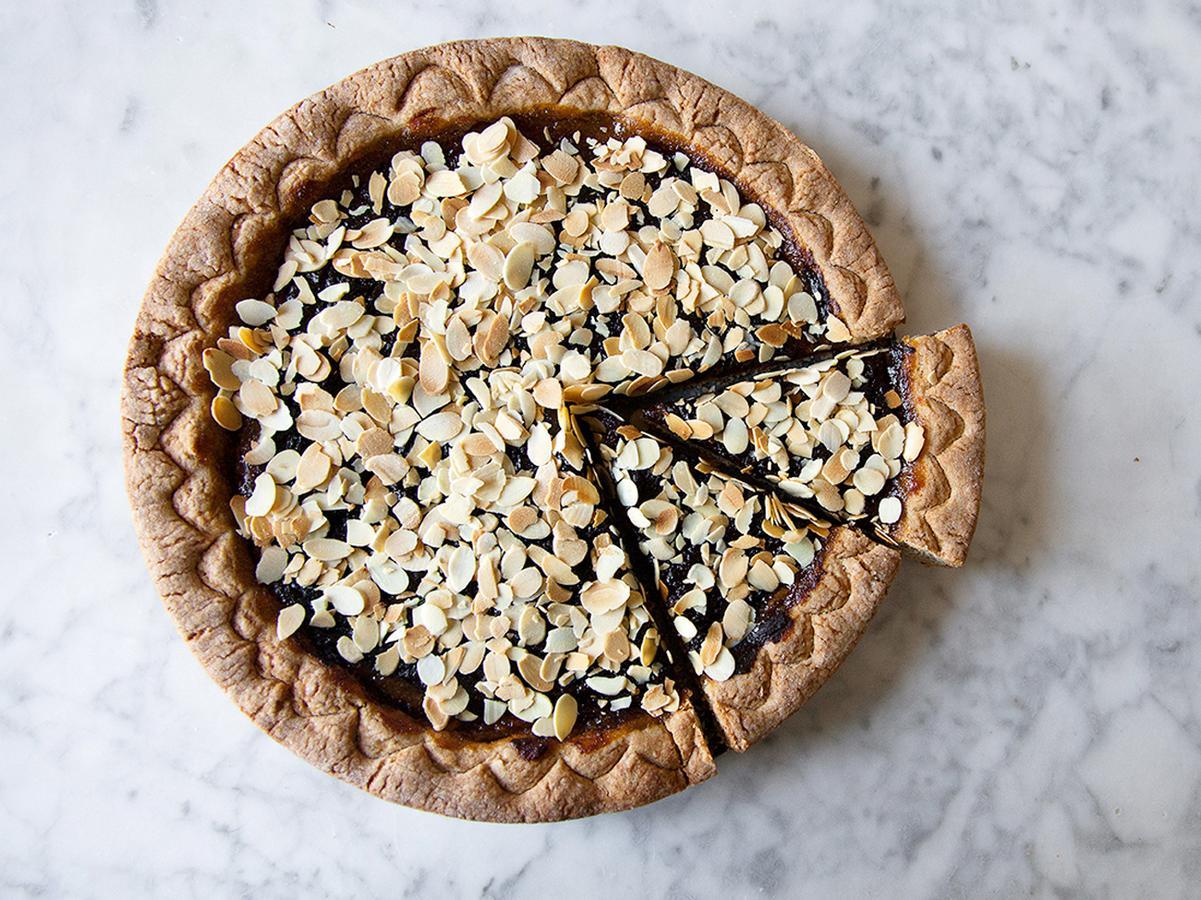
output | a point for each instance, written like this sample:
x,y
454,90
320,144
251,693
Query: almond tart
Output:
x,y
389,416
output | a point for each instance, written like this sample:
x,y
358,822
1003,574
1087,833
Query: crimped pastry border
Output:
x,y
826,623
175,454
942,494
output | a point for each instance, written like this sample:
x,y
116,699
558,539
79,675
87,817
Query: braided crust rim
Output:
x,y
175,454
826,624
942,498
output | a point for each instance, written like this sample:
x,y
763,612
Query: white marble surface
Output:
x,y
1030,725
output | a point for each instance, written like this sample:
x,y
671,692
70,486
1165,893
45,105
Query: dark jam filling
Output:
x,y
403,689
772,617
883,371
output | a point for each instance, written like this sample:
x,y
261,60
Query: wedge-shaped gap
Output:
x,y
589,423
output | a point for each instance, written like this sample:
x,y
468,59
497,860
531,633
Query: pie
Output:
x,y
518,424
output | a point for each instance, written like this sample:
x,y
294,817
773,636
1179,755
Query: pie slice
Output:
x,y
765,603
891,435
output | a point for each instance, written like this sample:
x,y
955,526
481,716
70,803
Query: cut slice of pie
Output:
x,y
765,603
889,434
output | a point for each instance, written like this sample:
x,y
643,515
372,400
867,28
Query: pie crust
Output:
x,y
942,496
826,625
179,484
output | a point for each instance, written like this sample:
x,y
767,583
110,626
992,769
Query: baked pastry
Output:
x,y
847,432
764,601
351,428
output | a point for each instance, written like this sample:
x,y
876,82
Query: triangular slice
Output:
x,y
765,604
892,435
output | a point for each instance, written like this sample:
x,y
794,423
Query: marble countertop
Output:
x,y
1029,725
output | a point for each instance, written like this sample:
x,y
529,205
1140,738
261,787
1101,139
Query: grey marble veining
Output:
x,y
1030,725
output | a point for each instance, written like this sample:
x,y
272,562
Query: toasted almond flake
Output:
x,y
325,211
712,644
891,441
431,616
678,426
607,686
519,263
431,669
219,365
868,481
549,393
574,367
256,399
441,426
445,183
348,651
458,340
889,510
263,497
289,621
566,710
346,600
326,549
366,634
404,189
434,372
255,313
837,331
722,668
615,217
735,437
313,469
387,662
717,234
271,565
642,362
836,386
461,569
762,577
575,223
225,413
418,641
733,568
318,425
434,711
561,166
494,338
736,620
373,234
660,267
915,439
495,138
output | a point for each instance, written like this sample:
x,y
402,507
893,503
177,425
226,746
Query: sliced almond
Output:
x,y
289,621
225,413
660,267
566,710
434,373
519,264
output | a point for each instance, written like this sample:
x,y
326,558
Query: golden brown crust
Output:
x,y
223,250
942,496
826,625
